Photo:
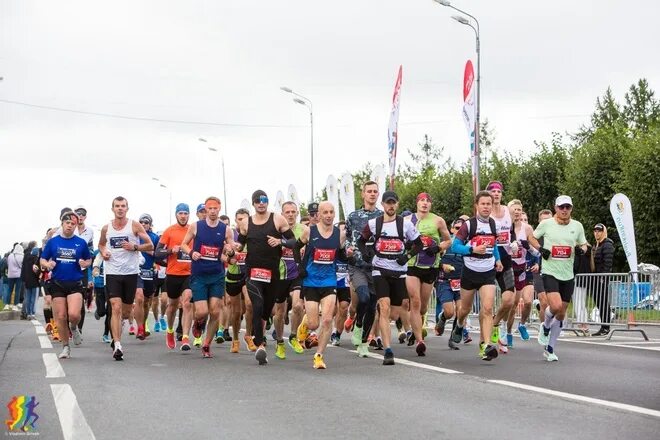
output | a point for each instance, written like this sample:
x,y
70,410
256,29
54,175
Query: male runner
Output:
x,y
448,287
476,241
561,234
145,294
544,214
343,294
121,262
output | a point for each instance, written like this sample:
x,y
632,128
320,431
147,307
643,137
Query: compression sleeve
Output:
x,y
289,240
496,253
160,253
459,247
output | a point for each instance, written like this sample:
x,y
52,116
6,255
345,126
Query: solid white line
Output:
x,y
609,344
72,419
45,342
414,364
53,367
35,322
622,406
40,330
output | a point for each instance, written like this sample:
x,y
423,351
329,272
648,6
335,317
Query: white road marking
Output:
x,y
610,344
72,419
45,342
414,364
40,330
35,322
622,406
53,367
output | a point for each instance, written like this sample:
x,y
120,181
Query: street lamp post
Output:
x,y
169,190
222,164
300,99
465,21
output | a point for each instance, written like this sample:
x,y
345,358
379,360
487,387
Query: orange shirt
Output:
x,y
179,263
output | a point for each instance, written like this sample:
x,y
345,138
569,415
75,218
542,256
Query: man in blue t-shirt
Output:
x,y
67,256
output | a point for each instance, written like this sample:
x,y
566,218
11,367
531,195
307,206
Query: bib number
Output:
x,y
389,246
261,275
503,237
182,257
210,253
455,284
561,252
147,274
116,242
427,241
487,240
324,256
287,254
240,258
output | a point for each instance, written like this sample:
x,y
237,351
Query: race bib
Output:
x,y
261,275
503,237
487,240
147,274
210,253
240,258
561,252
287,254
427,241
324,256
517,253
182,257
389,246
116,242
455,284
342,268
66,255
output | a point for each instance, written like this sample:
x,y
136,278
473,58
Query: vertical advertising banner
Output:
x,y
470,118
393,129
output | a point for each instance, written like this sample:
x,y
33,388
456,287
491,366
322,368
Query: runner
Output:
x,y
177,277
264,235
122,265
208,270
103,308
343,294
423,268
391,233
475,240
236,290
561,234
159,302
323,243
145,294
359,267
542,302
86,234
67,256
448,287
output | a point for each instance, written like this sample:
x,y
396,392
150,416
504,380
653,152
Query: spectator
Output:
x,y
14,265
603,252
3,278
30,277
583,264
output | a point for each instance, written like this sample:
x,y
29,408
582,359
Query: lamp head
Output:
x,y
460,19
286,89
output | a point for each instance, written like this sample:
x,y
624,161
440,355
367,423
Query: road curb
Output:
x,y
9,315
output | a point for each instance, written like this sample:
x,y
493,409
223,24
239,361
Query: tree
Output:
x,y
641,110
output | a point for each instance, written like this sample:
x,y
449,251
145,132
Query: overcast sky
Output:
x,y
218,66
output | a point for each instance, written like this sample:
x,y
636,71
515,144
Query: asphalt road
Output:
x,y
157,393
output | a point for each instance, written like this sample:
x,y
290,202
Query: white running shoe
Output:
x,y
550,357
66,352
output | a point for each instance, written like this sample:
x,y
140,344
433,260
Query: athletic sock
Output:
x,y
547,322
555,331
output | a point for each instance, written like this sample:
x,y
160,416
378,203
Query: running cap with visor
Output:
x,y
599,227
313,208
201,207
563,200
390,195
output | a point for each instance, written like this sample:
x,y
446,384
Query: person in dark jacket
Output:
x,y
30,276
583,264
603,252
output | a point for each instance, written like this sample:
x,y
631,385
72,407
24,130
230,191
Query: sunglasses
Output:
x,y
144,222
565,206
261,199
82,212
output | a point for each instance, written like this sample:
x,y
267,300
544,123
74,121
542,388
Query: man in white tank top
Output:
x,y
120,248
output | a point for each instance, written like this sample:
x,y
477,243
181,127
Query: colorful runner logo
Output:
x,y
21,414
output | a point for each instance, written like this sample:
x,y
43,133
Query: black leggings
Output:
x,y
263,297
103,308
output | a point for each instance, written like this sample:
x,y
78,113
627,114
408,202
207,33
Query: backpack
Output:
x,y
379,230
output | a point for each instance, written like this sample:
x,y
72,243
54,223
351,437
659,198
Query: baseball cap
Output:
x,y
68,215
424,195
457,223
390,195
563,200
313,208
599,227
495,184
201,207
182,207
257,194
64,210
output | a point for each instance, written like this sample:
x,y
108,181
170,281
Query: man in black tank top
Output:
x,y
264,234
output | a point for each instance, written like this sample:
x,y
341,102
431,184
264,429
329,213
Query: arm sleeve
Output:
x,y
161,252
289,240
459,247
496,253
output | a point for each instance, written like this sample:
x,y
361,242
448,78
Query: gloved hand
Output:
x,y
432,250
525,244
545,253
402,259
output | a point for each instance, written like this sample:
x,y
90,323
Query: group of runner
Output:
x,y
322,279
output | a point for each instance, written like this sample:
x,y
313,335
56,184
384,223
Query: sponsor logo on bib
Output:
x,y
487,240
210,253
116,242
240,258
261,275
503,237
389,246
324,256
561,252
287,254
427,241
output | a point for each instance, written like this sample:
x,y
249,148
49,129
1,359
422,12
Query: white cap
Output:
x,y
563,200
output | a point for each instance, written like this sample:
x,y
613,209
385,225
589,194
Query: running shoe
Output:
x,y
163,324
198,328
363,350
402,337
269,323
179,337
466,336
274,335
140,333
440,325
388,359
457,334
490,353
452,345
356,337
411,339
348,324
169,340
421,348
543,338
206,352
482,349
318,362
509,340
185,343
334,339
77,336
502,346
197,342
131,329
118,354
379,343
66,352
261,356
219,337
249,343
302,332
106,339
295,345
147,332
157,327
495,336
550,357
524,335
312,341
235,346
280,351
56,334
372,343
226,335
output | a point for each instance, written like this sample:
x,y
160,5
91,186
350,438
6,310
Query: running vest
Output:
x,y
209,242
288,265
320,258
122,262
428,229
262,262
480,232
236,270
